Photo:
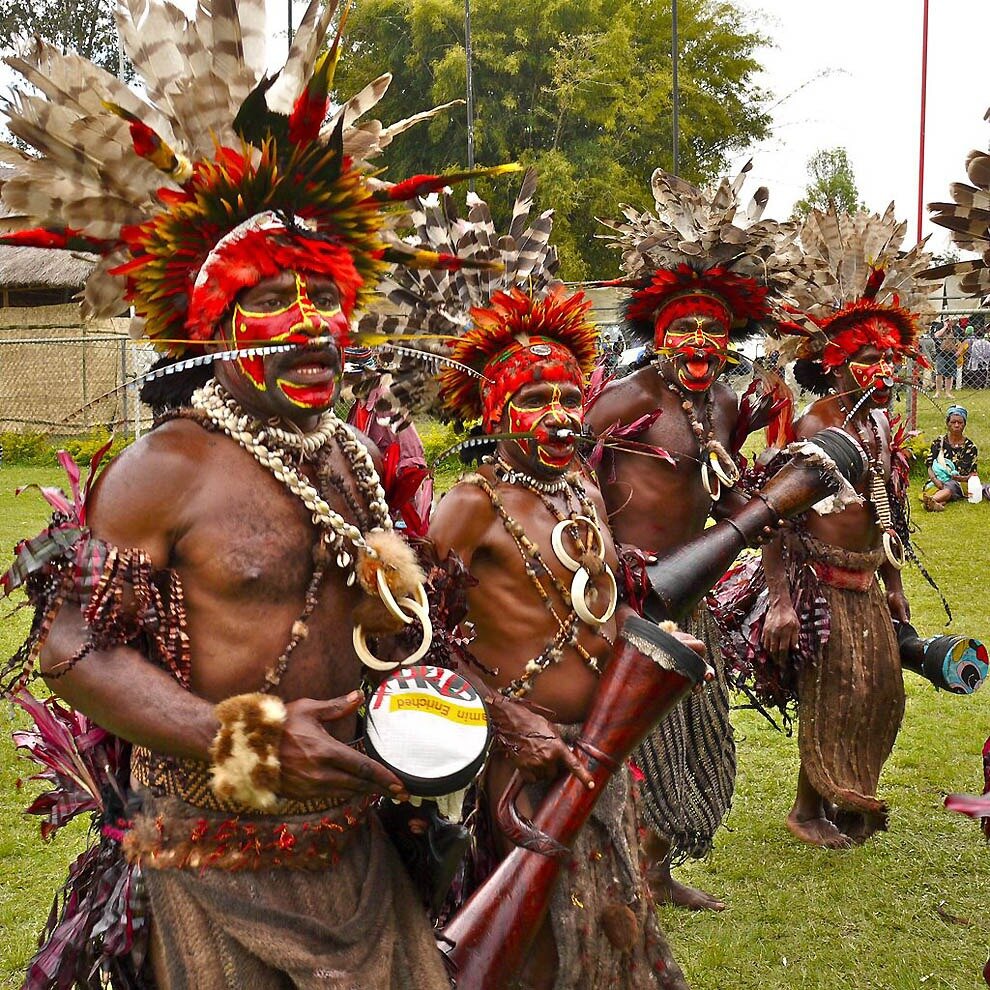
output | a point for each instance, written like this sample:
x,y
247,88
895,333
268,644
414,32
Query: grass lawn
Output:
x,y
910,909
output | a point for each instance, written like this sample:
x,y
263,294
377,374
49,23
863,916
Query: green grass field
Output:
x,y
910,909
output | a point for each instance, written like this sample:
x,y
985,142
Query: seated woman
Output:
x,y
951,462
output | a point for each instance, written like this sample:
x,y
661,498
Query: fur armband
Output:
x,y
245,750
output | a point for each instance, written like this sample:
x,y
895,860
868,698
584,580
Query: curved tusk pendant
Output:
x,y
726,479
420,610
893,549
557,540
385,593
579,598
706,480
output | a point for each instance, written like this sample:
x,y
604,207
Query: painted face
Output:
x,y
544,408
696,347
875,374
294,312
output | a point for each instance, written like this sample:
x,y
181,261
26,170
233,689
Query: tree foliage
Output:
x,y
831,184
83,26
580,89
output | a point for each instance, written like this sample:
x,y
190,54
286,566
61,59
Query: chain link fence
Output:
x,y
62,376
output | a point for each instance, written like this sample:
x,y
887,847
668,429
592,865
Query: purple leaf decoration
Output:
x,y
55,497
72,472
77,759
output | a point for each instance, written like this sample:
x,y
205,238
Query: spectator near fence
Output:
x,y
976,373
949,339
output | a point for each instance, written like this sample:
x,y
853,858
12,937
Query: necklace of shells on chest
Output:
x,y
366,557
717,465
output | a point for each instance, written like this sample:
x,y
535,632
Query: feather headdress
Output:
x,y
702,242
462,319
858,287
178,189
968,217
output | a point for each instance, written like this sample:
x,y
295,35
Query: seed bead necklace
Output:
x,y
568,627
893,545
713,457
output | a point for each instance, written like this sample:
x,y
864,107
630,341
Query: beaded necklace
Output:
x,y
267,445
717,466
568,626
893,546
272,447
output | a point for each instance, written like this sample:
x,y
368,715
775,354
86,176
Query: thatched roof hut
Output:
x,y
35,276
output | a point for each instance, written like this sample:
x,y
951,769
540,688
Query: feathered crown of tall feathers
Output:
x,y
857,284
968,217
216,160
701,242
461,319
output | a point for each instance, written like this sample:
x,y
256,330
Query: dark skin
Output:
x,y
854,529
513,625
955,428
241,544
657,506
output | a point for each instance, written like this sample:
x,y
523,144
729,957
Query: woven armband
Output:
x,y
245,750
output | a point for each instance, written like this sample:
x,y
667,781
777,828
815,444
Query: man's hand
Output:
x,y
534,746
695,644
780,631
315,765
898,605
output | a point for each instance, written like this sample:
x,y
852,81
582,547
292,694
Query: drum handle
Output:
x,y
520,830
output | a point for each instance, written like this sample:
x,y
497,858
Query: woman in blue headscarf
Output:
x,y
951,462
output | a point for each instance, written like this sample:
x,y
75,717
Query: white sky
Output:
x,y
869,100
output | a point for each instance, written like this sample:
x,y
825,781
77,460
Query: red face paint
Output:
x,y
557,412
878,375
297,322
697,346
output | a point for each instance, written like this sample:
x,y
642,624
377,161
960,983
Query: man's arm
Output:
x,y
460,522
144,501
139,503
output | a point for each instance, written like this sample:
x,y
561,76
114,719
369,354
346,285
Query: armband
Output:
x,y
245,751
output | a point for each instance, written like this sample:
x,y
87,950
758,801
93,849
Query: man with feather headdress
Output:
x,y
530,525
827,639
208,601
703,276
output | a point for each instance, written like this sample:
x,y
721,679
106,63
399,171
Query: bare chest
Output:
x,y
251,538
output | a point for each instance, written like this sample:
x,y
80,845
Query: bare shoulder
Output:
x,y
590,484
814,419
461,519
624,400
725,399
145,492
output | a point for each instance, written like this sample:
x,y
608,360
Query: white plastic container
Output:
x,y
975,489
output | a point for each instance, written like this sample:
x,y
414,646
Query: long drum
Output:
x,y
648,674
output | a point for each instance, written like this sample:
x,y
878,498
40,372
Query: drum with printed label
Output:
x,y
430,727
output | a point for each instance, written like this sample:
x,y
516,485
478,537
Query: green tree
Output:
x,y
580,88
83,26
831,184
